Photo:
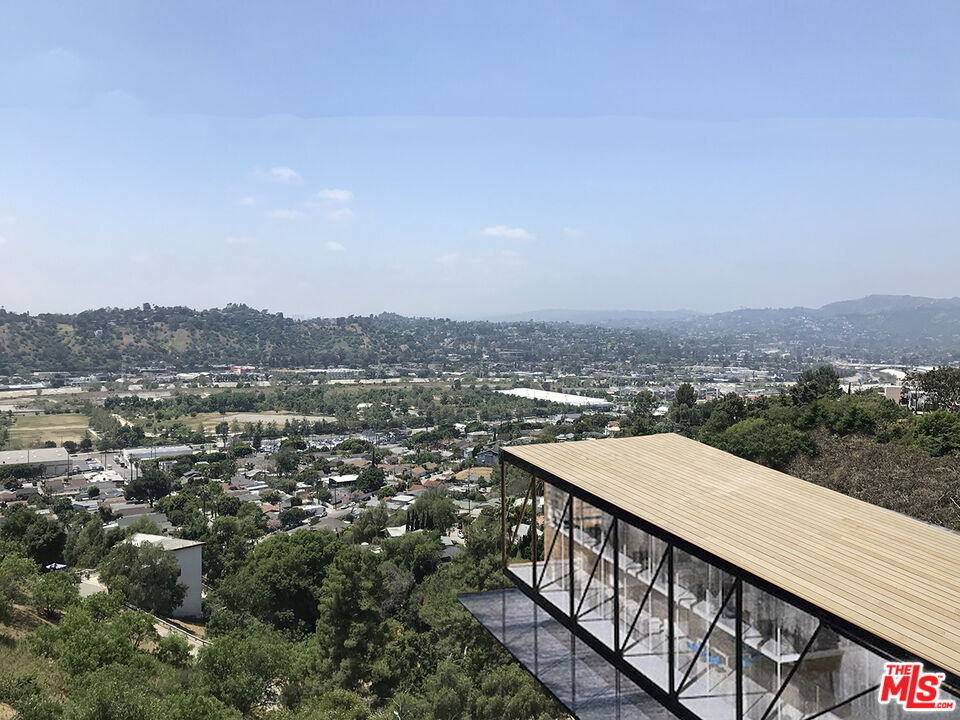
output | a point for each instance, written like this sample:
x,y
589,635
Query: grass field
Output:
x,y
31,431
210,420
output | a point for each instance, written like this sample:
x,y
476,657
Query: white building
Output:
x,y
557,397
159,451
52,461
189,555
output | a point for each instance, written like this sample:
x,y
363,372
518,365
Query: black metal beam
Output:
x,y
553,542
839,705
738,638
593,571
616,594
671,623
570,557
793,671
706,637
643,601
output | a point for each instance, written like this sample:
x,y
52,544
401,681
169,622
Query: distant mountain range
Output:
x,y
869,305
606,318
899,327
879,328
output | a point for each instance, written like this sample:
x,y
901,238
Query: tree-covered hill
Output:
x,y
112,338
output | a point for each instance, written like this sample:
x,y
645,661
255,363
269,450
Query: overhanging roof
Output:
x,y
891,575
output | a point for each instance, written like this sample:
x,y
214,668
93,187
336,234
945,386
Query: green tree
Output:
x,y
173,649
336,704
640,419
279,583
145,575
686,396
938,432
16,574
54,591
763,441
244,668
370,479
940,387
418,553
370,524
815,384
149,486
432,510
223,431
88,546
292,516
286,460
194,705
349,625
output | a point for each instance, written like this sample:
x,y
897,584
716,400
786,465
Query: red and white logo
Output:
x,y
914,689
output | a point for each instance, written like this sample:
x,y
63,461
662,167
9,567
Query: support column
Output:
x,y
503,515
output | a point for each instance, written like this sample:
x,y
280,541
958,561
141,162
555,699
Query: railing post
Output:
x,y
739,641
616,598
533,529
503,515
671,619
570,559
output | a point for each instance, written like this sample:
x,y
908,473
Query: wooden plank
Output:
x,y
887,573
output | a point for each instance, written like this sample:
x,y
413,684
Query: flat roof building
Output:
x,y
558,397
52,461
189,555
158,451
717,587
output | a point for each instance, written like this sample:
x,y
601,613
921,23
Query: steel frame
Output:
x,y
670,697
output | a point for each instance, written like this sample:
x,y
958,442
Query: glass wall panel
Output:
x,y
593,547
832,675
643,602
554,571
705,659
775,634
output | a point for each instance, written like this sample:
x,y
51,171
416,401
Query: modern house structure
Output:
x,y
673,580
189,555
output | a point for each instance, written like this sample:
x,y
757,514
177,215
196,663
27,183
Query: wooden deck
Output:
x,y
891,575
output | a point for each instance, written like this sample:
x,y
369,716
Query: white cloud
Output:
x,y
337,195
238,241
573,232
284,175
340,214
448,259
334,246
508,233
247,201
286,214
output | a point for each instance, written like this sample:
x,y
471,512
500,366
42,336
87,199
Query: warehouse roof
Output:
x,y
35,456
894,576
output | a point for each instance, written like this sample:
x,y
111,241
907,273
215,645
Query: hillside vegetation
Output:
x,y
179,337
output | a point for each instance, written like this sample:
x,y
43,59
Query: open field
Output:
x,y
210,420
33,430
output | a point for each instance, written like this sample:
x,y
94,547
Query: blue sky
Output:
x,y
461,159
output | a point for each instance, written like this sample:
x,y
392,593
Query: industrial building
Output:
x,y
673,580
51,461
157,451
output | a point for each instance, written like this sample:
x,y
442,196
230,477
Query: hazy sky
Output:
x,y
460,158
